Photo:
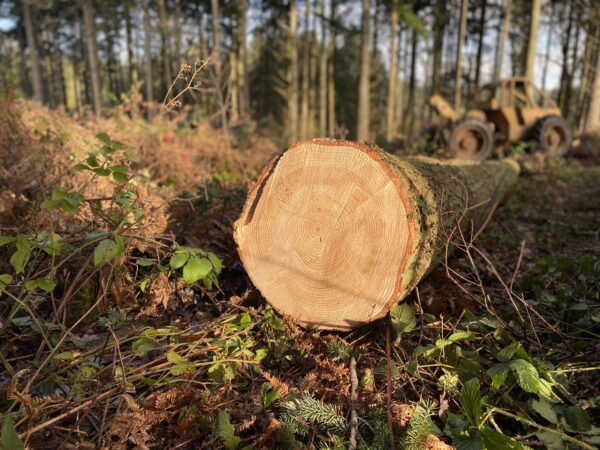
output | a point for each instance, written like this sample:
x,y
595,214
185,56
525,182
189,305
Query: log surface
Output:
x,y
333,233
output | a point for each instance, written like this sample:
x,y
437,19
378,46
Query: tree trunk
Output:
x,y
133,76
548,48
364,98
243,63
593,116
177,25
564,75
533,34
323,76
292,74
409,113
390,127
481,31
331,75
34,61
305,102
216,54
459,47
148,54
399,101
591,43
439,26
334,233
163,25
92,53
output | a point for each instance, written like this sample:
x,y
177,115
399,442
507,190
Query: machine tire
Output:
x,y
554,135
471,139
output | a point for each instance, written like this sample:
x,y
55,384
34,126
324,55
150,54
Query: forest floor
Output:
x,y
127,320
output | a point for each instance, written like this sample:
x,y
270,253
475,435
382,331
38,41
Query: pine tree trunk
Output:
x,y
177,24
243,61
305,99
439,26
334,233
323,76
459,47
34,61
92,53
591,44
390,127
292,73
163,25
331,75
148,54
481,31
564,75
548,48
133,76
533,34
363,114
593,116
216,55
409,112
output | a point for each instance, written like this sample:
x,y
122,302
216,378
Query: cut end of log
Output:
x,y
326,234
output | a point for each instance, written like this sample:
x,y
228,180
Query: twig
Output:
x,y
388,354
353,399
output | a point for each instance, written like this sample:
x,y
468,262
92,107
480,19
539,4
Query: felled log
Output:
x,y
334,233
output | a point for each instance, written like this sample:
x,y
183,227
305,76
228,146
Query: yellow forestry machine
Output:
x,y
507,111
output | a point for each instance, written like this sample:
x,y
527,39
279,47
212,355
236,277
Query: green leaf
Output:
x,y
104,138
498,373
80,167
5,280
245,321
226,431
144,262
195,269
101,171
178,260
551,441
507,352
19,259
461,336
92,161
175,358
545,409
527,375
44,284
6,240
119,177
403,318
494,440
578,419
121,168
10,437
107,251
144,345
470,400
215,261
66,356
260,354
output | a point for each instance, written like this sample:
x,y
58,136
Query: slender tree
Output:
x,y
34,62
92,53
323,75
331,73
439,27
243,59
536,7
481,32
148,54
305,99
459,47
363,119
130,53
292,73
593,116
390,129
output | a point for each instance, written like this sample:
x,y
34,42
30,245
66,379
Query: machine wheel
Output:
x,y
471,139
554,135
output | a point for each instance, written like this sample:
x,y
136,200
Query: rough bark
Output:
x,y
481,32
243,60
323,76
536,8
363,113
34,62
305,102
593,116
148,54
292,73
163,25
390,128
566,45
133,76
331,75
409,113
92,53
548,48
459,47
334,233
439,26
